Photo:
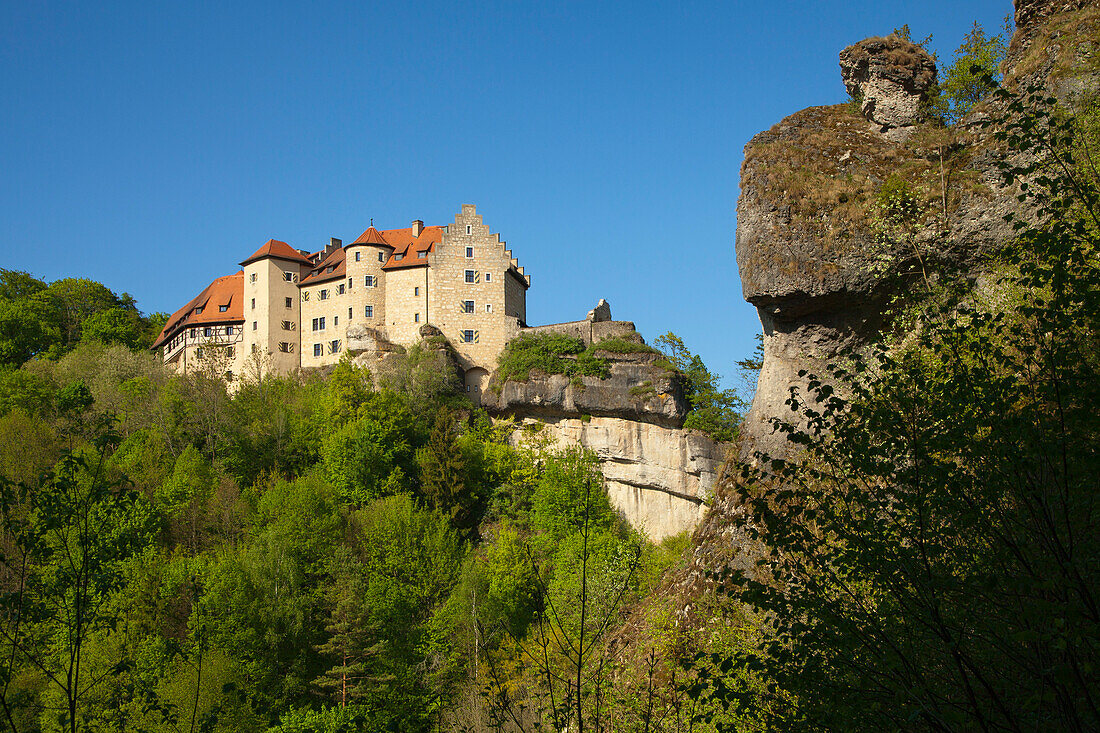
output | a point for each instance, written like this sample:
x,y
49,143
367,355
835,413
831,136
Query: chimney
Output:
x,y
417,227
333,245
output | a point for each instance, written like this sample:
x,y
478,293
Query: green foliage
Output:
x,y
558,507
972,75
548,353
714,411
113,326
373,456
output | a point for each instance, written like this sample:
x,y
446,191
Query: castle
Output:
x,y
288,309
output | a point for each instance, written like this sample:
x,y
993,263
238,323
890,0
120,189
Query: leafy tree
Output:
x,y
28,327
66,541
973,73
714,411
113,326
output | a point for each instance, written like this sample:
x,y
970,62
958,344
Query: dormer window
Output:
x,y
330,268
198,311
421,255
223,308
398,258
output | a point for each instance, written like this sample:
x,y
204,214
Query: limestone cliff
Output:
x,y
658,474
810,257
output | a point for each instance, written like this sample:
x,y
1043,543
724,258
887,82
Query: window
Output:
x,y
381,256
469,251
288,276
334,347
228,330
194,332
398,258
284,347
330,268
252,278
318,350
488,277
467,228
368,311
198,353
340,290
416,318
324,295
198,311
416,292
289,302
255,348
368,281
358,256
254,325
222,308
467,306
349,313
207,332
335,321
471,276
488,307
229,351
318,324
468,336
351,281
288,326
421,255
253,304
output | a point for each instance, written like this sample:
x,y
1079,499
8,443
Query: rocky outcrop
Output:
x,y
660,478
810,257
658,474
639,389
890,78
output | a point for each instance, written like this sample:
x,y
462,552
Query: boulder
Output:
x,y
890,77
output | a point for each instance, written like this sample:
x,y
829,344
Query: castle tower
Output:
x,y
271,306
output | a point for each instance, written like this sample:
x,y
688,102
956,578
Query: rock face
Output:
x,y
638,389
890,77
658,474
659,477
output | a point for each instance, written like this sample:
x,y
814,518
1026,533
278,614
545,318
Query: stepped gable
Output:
x,y
280,250
206,307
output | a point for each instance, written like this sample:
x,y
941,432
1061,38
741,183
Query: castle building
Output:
x,y
288,309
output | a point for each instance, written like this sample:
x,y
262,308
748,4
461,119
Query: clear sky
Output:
x,y
154,145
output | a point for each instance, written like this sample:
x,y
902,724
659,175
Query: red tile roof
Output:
x,y
275,248
225,291
372,236
331,268
408,247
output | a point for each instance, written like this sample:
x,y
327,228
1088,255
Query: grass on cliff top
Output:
x,y
549,353
824,166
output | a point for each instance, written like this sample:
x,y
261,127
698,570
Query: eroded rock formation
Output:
x,y
810,258
890,78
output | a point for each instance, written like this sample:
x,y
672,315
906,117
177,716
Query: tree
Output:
x,y
716,412
973,74
931,561
66,540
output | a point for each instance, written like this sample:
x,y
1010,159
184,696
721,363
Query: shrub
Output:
x,y
551,353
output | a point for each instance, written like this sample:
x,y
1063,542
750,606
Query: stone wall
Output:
x,y
588,331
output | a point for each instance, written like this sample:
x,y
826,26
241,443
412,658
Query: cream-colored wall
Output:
x,y
403,303
359,295
263,322
335,312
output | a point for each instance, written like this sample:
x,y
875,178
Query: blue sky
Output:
x,y
152,146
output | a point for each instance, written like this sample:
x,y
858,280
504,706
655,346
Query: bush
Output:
x,y
549,353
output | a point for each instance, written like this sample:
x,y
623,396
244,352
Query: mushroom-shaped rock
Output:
x,y
890,77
